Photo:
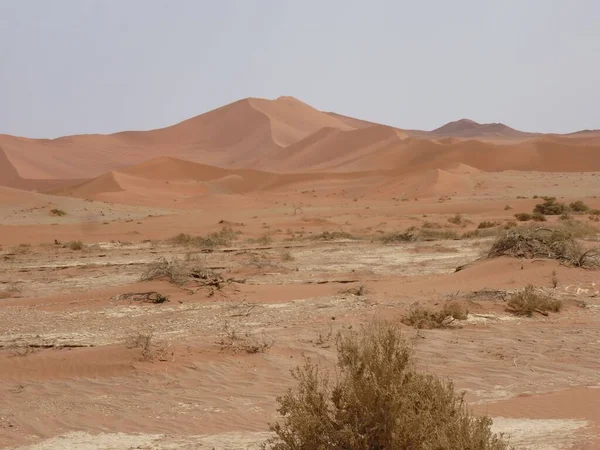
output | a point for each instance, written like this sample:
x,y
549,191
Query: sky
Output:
x,y
101,66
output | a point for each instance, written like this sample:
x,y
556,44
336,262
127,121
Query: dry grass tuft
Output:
x,y
528,301
333,235
523,217
232,340
420,317
403,236
223,237
149,349
172,270
377,401
58,212
286,255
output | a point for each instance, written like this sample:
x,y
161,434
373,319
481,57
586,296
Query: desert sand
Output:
x,y
305,197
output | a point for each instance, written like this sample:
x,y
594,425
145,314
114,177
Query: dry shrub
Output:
x,y
457,220
74,245
398,236
172,270
359,290
223,237
181,239
420,317
579,229
487,224
332,235
432,225
377,401
578,206
523,217
543,243
58,212
433,235
286,255
538,217
265,239
243,342
528,301
149,349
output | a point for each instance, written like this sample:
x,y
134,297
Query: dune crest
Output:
x,y
286,135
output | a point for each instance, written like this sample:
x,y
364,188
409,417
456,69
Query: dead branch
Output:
x,y
144,297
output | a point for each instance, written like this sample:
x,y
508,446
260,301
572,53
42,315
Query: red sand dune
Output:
x,y
286,135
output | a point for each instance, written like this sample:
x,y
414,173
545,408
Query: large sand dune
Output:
x,y
286,135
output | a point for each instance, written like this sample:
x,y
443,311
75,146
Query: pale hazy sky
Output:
x,y
83,66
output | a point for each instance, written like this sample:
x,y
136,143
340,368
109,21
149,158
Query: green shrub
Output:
x,y
378,400
550,207
538,217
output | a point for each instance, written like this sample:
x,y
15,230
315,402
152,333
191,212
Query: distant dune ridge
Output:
x,y
253,143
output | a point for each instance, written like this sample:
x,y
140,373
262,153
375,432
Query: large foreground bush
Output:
x,y
377,402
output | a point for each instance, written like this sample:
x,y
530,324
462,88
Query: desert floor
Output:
x,y
76,373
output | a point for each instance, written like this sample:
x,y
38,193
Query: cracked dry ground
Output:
x,y
75,375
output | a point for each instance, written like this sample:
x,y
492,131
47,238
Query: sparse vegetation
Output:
x,y
265,239
507,208
223,237
421,317
356,290
554,279
149,349
58,212
144,297
74,245
230,339
286,255
550,207
487,224
172,270
523,217
332,236
545,243
430,235
399,236
538,217
529,300
377,401
457,220
578,206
